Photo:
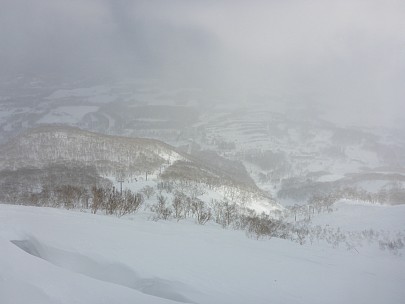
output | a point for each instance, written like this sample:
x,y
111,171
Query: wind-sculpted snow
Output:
x,y
111,272
93,259
24,278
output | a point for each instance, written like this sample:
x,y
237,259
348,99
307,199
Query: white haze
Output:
x,y
345,57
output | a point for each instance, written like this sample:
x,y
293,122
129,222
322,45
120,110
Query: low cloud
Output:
x,y
343,55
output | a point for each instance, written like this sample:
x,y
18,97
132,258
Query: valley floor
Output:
x,y
58,256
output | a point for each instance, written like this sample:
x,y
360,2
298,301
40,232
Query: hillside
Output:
x,y
290,151
109,154
28,163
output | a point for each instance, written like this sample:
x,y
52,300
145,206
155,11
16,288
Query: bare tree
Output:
x,y
225,213
162,211
202,213
148,191
114,200
130,203
179,205
99,197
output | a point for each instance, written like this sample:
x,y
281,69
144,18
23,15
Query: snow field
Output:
x,y
357,216
67,114
87,258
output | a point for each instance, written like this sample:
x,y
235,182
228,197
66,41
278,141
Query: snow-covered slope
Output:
x,y
280,148
57,256
28,161
56,144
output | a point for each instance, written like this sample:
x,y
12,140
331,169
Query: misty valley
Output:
x,y
202,152
137,152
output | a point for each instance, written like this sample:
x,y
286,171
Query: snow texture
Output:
x,y
57,256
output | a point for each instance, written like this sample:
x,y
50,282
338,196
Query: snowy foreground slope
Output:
x,y
72,257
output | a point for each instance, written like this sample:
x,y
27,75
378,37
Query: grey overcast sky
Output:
x,y
346,55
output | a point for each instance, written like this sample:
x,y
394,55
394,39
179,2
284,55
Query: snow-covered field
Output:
x,y
84,258
66,114
356,216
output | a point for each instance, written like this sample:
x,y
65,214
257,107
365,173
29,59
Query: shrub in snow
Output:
x,y
114,202
225,213
129,203
148,191
179,205
161,209
392,245
202,212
